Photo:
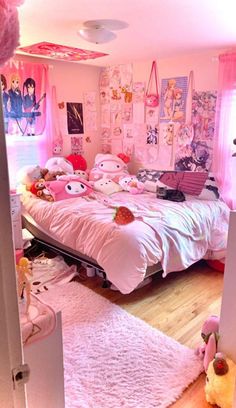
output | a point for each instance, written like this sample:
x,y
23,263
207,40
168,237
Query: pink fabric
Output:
x,y
225,130
177,234
38,323
68,187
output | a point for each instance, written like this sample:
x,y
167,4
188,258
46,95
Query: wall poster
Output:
x,y
75,123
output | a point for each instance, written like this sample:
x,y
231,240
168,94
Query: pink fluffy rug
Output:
x,y
114,360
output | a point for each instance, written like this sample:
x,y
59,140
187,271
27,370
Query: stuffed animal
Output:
x,y
68,188
131,184
29,174
59,164
53,175
108,166
39,189
106,186
78,162
220,381
82,174
210,335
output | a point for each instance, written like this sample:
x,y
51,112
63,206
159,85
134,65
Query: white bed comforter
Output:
x,y
176,234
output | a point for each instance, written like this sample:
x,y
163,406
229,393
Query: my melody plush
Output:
x,y
68,187
108,166
131,184
220,381
210,336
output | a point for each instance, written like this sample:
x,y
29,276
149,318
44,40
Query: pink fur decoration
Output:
x,y
9,33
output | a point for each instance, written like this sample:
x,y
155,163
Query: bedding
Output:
x,y
175,234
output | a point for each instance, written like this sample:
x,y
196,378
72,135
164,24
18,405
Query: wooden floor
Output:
x,y
176,305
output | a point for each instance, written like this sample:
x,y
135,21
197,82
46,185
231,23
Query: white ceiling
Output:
x,y
157,28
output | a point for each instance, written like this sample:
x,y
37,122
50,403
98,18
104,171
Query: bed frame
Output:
x,y
42,237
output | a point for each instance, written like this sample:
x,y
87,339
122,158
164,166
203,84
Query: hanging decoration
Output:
x,y
24,98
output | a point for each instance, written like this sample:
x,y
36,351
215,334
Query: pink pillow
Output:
x,y
68,188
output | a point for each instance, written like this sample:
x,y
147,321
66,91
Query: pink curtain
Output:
x,y
224,166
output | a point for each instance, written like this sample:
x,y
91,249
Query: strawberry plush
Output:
x,y
123,216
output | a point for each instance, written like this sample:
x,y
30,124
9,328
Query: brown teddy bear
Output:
x,y
38,188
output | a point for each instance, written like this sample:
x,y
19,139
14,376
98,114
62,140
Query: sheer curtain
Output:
x,y
224,166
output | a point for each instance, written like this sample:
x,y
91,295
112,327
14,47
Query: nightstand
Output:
x,y
16,220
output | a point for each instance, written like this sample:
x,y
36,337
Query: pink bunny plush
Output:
x,y
68,188
9,33
210,335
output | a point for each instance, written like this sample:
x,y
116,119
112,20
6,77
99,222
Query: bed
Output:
x,y
165,236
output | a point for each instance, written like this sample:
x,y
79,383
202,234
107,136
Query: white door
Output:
x,y
10,335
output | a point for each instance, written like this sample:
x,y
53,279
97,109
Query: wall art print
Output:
x,y
173,99
75,124
24,98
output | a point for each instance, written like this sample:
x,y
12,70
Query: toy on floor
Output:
x,y
210,335
220,381
23,269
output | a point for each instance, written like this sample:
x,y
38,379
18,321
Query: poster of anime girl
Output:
x,y
173,99
203,115
24,98
75,123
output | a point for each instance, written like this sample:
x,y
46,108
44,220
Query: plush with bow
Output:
x,y
131,184
67,187
108,166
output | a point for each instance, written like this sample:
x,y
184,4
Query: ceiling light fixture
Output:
x,y
100,31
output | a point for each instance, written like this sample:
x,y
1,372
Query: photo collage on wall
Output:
x,y
176,134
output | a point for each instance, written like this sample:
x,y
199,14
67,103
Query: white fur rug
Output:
x,y
114,360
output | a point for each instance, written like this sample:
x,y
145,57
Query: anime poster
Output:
x,y
104,81
105,116
138,92
173,99
75,123
77,145
127,113
196,144
203,115
24,98
152,137
105,140
90,111
151,115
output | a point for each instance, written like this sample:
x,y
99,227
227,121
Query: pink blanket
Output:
x,y
176,234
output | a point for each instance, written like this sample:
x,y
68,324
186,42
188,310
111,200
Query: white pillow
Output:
x,y
106,186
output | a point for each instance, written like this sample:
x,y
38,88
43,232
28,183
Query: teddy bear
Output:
x,y
210,336
52,175
39,189
220,381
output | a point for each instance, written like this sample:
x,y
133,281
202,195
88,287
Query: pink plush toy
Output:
x,y
108,166
68,188
9,32
210,335
131,184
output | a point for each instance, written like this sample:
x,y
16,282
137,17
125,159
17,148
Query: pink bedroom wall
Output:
x,y
204,65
